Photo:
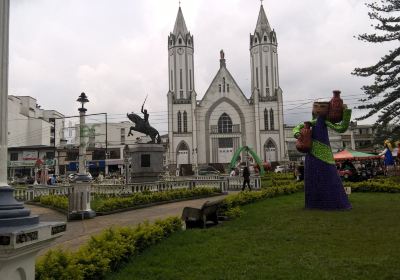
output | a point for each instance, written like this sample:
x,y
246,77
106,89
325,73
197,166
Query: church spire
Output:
x,y
180,25
262,22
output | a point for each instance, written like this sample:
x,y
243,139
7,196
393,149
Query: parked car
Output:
x,y
208,170
72,176
282,169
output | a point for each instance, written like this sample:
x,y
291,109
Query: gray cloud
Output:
x,y
116,51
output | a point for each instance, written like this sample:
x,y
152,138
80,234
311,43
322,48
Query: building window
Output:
x,y
227,87
276,78
180,77
257,77
122,136
172,80
189,41
265,38
49,155
72,155
255,40
223,84
266,76
190,79
225,142
220,87
185,125
225,124
181,94
266,119
179,122
180,41
13,156
271,118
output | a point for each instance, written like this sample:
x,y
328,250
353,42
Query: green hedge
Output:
x,y
105,252
56,201
374,185
107,204
243,198
277,179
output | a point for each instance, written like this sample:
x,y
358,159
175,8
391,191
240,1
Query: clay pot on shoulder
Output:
x,y
304,142
335,114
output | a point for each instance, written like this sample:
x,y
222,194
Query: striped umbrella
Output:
x,y
348,154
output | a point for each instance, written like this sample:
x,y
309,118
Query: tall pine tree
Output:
x,y
382,97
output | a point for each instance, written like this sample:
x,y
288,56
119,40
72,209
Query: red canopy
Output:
x,y
354,155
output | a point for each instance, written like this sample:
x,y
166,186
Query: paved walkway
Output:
x,y
78,232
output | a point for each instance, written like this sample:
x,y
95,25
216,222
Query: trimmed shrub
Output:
x,y
105,252
376,185
243,198
107,204
56,201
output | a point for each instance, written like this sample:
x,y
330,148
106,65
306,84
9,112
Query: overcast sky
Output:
x,y
116,50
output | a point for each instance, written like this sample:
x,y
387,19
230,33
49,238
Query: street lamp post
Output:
x,y
353,126
79,199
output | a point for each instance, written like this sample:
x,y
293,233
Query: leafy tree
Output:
x,y
383,95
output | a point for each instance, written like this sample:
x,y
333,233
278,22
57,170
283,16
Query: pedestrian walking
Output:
x,y
246,178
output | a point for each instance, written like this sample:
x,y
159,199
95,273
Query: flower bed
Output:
x,y
375,185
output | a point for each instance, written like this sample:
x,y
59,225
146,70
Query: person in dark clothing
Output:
x,y
246,178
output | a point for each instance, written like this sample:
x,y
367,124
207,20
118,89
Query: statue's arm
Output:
x,y
296,129
343,125
142,109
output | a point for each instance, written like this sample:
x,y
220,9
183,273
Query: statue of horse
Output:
x,y
143,127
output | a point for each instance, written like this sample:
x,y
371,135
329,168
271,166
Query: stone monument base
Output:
x,y
146,162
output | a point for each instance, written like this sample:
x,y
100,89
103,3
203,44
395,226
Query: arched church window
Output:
x,y
170,42
271,118
185,123
265,38
180,41
183,146
224,124
255,40
189,41
219,86
266,119
179,122
227,87
223,84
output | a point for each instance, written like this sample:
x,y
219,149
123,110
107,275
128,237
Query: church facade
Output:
x,y
210,130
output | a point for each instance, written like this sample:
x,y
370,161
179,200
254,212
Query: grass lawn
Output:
x,y
278,239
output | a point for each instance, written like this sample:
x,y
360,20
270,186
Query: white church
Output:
x,y
210,130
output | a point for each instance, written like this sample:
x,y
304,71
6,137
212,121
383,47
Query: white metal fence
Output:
x,y
223,183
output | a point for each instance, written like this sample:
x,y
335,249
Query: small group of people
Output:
x,y
391,155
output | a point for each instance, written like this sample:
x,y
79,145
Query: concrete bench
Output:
x,y
195,217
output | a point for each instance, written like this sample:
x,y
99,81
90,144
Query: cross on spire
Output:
x,y
260,1
179,3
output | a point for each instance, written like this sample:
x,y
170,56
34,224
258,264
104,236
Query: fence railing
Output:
x,y
223,183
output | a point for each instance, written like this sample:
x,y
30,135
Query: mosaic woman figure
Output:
x,y
323,186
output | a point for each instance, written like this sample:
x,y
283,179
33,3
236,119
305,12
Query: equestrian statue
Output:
x,y
143,126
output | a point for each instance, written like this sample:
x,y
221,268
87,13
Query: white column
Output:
x,y
82,143
4,26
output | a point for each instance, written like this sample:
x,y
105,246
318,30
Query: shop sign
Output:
x,y
29,155
22,163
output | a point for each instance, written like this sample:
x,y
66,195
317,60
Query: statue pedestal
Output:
x,y
146,162
79,199
21,237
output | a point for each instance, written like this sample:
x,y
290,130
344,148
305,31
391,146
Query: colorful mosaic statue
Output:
x,y
323,186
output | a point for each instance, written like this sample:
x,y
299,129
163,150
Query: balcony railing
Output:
x,y
235,129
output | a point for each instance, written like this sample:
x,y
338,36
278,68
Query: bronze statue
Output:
x,y
143,126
